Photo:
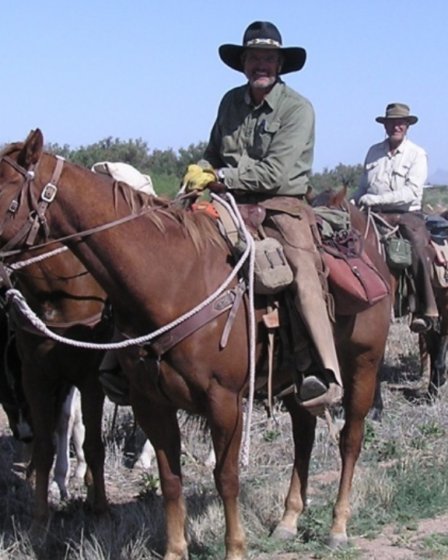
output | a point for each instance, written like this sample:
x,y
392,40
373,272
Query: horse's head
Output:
x,y
24,193
330,198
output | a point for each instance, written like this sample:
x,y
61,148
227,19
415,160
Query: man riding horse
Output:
x,y
395,171
261,147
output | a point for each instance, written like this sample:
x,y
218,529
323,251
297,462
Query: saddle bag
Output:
x,y
398,252
271,270
353,279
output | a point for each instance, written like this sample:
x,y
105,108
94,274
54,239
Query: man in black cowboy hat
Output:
x,y
261,146
395,171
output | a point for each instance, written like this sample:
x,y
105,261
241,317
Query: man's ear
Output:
x,y
280,64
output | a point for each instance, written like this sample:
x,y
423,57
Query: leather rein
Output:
x,y
36,219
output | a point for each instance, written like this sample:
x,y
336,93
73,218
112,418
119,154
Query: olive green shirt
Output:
x,y
266,149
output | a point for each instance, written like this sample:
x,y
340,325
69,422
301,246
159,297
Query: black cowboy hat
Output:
x,y
263,35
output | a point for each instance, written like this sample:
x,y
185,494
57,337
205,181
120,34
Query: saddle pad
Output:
x,y
441,249
440,276
125,173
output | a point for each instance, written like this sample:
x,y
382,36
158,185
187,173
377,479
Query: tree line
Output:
x,y
167,167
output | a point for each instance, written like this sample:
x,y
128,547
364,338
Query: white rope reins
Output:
x,y
235,213
22,264
16,297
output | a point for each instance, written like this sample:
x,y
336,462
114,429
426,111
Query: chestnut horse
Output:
x,y
66,297
156,264
433,344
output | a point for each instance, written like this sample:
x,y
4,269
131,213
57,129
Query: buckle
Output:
x,y
49,192
13,206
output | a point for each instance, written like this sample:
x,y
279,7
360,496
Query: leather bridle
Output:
x,y
36,218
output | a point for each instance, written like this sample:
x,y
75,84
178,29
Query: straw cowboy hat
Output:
x,y
263,35
397,111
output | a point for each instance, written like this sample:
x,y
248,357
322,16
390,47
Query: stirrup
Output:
x,y
420,324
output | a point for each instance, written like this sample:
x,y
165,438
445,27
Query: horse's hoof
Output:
x,y
337,540
283,533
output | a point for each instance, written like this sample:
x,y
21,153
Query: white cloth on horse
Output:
x,y
125,173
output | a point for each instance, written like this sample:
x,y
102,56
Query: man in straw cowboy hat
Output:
x,y
261,147
395,171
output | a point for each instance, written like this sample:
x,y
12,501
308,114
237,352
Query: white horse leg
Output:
x,y
78,435
62,435
146,456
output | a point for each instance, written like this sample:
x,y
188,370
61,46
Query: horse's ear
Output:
x,y
309,195
339,198
32,149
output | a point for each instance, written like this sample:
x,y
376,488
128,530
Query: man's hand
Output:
x,y
197,178
368,200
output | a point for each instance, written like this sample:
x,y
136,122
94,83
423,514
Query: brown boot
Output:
x,y
315,395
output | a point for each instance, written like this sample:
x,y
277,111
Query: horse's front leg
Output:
x,y
425,346
358,398
39,396
225,417
161,426
438,371
63,430
303,428
440,334
92,399
433,351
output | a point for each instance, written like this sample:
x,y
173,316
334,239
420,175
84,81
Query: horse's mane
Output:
x,y
199,226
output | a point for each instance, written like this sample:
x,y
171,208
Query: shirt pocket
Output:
x,y
231,131
402,170
263,136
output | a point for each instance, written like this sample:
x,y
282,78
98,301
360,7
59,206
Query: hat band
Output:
x,y
270,42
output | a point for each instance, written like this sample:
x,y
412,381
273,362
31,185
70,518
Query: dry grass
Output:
x,y
400,479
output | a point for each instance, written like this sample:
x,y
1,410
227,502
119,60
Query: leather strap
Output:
x,y
166,341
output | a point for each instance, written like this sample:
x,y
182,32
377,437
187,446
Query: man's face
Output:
x,y
261,67
396,129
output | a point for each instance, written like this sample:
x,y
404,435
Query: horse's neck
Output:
x,y
157,271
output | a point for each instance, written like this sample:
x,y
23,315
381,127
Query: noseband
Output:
x,y
36,217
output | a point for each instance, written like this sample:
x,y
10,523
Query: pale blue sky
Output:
x,y
83,70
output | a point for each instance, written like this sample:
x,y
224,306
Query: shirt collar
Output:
x,y
400,148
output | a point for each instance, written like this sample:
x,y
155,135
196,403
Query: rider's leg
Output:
x,y
322,384
413,228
